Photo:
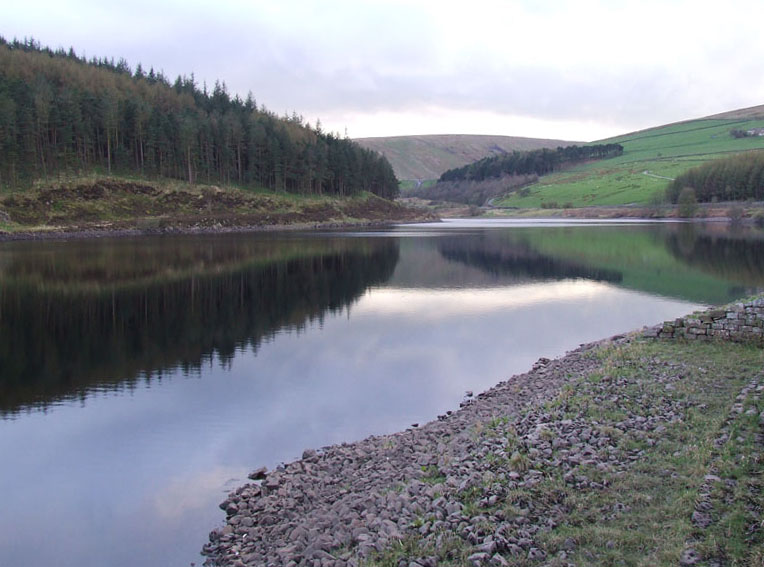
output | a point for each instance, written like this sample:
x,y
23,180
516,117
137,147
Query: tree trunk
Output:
x,y
188,160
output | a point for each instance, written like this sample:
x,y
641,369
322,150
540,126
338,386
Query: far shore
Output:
x,y
740,212
96,231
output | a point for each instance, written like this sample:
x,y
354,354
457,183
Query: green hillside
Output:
x,y
650,159
427,157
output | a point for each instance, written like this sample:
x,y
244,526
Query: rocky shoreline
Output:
x,y
439,491
359,497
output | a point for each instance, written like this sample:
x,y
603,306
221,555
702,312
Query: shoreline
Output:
x,y
436,494
115,207
285,503
101,232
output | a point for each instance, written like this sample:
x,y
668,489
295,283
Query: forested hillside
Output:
x,y
536,162
61,113
479,182
423,158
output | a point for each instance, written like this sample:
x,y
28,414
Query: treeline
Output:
x,y
533,162
62,113
735,178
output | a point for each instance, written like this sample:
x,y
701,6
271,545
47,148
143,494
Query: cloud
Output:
x,y
200,490
592,65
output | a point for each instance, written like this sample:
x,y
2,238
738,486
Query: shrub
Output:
x,y
688,203
735,214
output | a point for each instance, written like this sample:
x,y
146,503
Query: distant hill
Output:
x,y
427,157
749,113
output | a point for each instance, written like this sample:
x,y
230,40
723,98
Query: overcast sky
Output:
x,y
575,70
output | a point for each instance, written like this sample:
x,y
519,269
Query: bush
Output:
x,y
688,203
735,214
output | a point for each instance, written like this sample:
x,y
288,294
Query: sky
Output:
x,y
577,70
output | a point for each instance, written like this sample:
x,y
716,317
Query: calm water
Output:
x,y
141,380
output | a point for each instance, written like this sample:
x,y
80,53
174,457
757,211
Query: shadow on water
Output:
x,y
710,264
103,316
519,260
734,254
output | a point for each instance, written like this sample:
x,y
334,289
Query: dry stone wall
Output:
x,y
739,322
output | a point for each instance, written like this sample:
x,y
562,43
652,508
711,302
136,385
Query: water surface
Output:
x,y
142,379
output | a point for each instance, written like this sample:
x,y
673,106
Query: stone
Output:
x,y
478,558
569,544
258,474
689,557
536,554
701,519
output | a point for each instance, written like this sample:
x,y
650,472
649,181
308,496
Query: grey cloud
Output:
x,y
349,57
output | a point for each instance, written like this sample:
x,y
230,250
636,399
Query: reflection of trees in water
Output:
x,y
735,256
58,344
518,259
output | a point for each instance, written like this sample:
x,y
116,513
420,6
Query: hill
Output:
x,y
650,160
427,157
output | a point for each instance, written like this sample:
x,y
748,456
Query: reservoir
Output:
x,y
142,379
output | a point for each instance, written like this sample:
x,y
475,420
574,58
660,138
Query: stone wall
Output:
x,y
740,322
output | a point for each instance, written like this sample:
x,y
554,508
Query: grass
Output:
x,y
666,151
661,489
640,513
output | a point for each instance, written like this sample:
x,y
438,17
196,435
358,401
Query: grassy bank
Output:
x,y
655,458
100,203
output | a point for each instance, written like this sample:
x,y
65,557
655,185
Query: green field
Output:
x,y
629,179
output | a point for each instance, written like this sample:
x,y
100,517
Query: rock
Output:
x,y
536,554
569,544
701,519
258,474
689,557
478,558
